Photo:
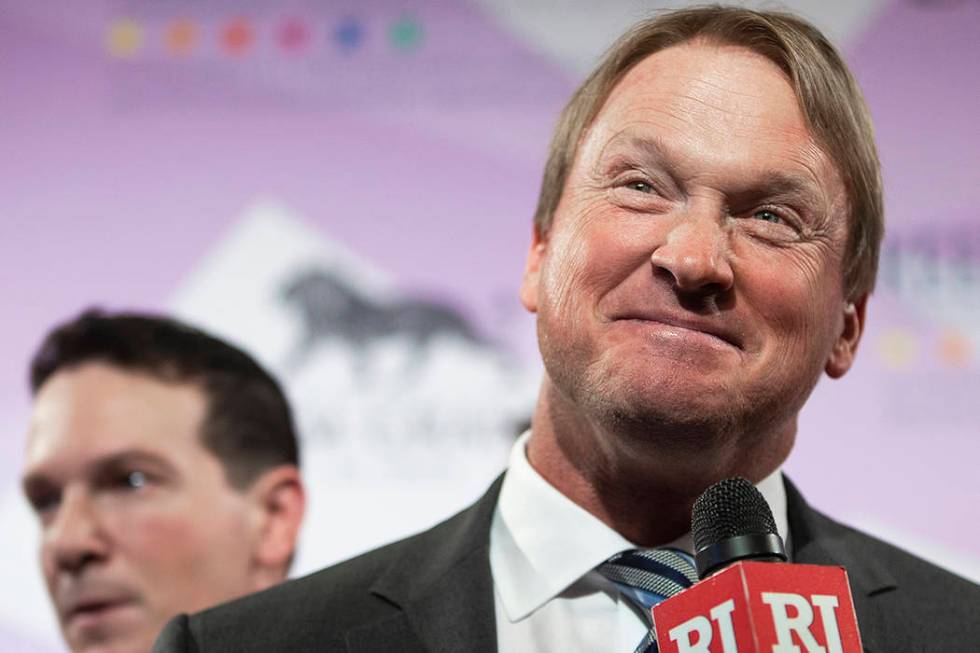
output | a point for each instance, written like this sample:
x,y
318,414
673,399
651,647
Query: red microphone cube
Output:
x,y
756,607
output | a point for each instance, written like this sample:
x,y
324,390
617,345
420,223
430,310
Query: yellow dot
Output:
x,y
955,349
124,38
897,348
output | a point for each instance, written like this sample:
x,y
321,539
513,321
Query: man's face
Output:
x,y
138,522
692,276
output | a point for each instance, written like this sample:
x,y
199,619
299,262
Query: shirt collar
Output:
x,y
541,542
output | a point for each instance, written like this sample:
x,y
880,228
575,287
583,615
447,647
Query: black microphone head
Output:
x,y
731,521
729,508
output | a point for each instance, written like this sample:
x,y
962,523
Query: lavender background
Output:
x,y
413,135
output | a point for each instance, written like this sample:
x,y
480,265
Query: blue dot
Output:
x,y
349,34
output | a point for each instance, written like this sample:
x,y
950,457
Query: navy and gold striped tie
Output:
x,y
648,576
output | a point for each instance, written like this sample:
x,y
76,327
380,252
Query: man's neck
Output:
x,y
641,486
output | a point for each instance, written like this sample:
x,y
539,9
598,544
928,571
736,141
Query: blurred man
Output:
x,y
705,243
162,464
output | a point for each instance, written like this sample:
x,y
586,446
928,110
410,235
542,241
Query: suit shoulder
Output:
x,y
903,602
303,614
908,569
912,604
313,613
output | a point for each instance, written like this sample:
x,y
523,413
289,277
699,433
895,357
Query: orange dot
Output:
x,y
237,36
955,349
181,36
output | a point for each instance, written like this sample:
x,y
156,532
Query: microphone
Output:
x,y
731,521
744,604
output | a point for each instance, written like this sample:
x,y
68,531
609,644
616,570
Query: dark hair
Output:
x,y
248,425
829,98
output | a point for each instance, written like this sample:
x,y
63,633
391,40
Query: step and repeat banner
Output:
x,y
280,173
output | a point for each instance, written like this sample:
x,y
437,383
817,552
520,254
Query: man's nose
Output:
x,y
695,255
75,536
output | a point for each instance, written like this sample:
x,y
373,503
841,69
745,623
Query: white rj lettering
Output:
x,y
722,615
827,605
695,634
800,623
681,634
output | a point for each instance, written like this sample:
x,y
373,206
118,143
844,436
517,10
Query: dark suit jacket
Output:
x,y
433,592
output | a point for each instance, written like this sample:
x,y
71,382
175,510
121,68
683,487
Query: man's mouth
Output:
x,y
89,607
685,326
94,611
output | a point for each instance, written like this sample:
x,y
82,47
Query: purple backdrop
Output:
x,y
413,133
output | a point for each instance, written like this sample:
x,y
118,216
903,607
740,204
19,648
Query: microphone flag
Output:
x,y
756,607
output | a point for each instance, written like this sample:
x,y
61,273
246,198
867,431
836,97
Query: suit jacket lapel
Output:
x,y
456,613
442,583
818,540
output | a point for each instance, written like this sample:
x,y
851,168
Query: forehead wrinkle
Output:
x,y
715,89
716,106
688,97
708,97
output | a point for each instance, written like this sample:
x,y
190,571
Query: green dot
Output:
x,y
406,33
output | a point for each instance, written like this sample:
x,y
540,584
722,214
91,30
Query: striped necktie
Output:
x,y
648,576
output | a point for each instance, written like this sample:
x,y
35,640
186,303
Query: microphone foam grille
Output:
x,y
729,508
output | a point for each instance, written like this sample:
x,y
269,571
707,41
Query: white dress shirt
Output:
x,y
543,552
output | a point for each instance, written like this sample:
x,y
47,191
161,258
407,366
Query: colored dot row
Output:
x,y
900,349
126,38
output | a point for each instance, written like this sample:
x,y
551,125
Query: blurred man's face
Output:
x,y
693,273
138,522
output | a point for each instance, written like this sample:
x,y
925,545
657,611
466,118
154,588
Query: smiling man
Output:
x,y
689,288
704,247
163,467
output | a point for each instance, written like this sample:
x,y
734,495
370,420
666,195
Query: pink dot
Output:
x,y
294,35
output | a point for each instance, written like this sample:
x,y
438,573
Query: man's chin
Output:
x,y
677,413
122,630
673,385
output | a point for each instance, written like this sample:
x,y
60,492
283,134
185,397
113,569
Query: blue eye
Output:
x,y
767,216
135,480
640,186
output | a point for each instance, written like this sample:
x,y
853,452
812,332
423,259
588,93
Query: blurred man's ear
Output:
x,y
532,272
279,501
845,348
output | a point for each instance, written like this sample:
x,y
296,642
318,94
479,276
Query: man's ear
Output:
x,y
532,271
845,348
279,501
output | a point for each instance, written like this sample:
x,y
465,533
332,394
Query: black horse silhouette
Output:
x,y
329,308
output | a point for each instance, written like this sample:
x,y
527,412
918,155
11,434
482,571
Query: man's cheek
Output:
x,y
159,540
575,282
